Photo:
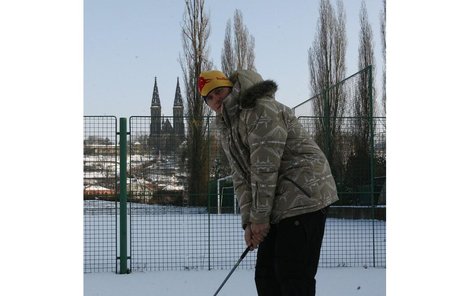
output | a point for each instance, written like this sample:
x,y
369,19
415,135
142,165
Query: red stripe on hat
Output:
x,y
202,82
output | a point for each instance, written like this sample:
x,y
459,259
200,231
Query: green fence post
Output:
x,y
209,196
123,194
372,162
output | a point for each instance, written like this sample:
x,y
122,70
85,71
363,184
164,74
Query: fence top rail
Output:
x,y
343,117
104,116
333,86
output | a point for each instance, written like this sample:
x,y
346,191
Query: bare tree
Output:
x,y
383,17
364,102
228,58
238,53
242,54
364,107
327,67
195,33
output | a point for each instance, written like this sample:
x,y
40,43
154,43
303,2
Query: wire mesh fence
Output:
x,y
342,121
99,192
172,228
169,230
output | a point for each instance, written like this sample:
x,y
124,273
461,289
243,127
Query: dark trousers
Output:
x,y
288,257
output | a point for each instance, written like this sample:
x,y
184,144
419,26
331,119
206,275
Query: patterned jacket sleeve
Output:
x,y
243,192
266,135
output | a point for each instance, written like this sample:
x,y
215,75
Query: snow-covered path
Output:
x,y
330,281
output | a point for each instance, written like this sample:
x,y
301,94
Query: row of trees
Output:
x,y
354,170
326,58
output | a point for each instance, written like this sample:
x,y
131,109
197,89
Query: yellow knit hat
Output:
x,y
209,80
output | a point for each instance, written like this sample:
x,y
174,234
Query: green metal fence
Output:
x,y
100,200
360,181
172,228
145,214
343,121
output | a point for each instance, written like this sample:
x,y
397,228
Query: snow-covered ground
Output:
x,y
330,281
174,240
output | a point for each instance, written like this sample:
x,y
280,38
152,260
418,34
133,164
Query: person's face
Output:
x,y
215,97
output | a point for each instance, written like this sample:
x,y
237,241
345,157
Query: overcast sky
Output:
x,y
129,42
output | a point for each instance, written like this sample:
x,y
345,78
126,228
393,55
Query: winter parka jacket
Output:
x,y
278,170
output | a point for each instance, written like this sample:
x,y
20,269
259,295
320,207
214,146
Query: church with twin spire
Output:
x,y
166,132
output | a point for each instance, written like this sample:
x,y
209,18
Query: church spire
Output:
x,y
178,99
155,123
156,96
178,115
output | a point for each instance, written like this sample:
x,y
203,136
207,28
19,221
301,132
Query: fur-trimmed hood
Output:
x,y
248,86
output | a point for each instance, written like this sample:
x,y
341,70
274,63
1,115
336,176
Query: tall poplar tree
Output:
x,y
239,53
195,58
327,67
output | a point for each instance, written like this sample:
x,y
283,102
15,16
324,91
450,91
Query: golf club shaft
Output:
x,y
233,269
